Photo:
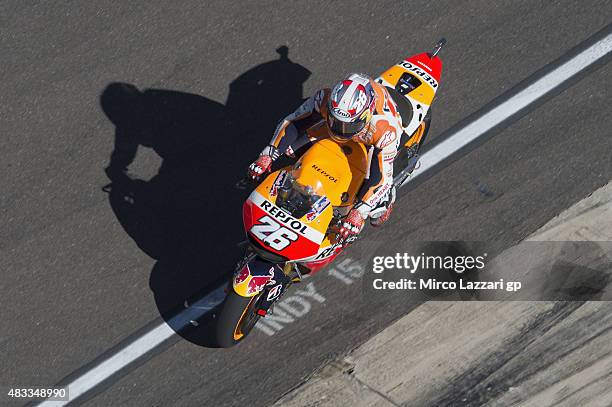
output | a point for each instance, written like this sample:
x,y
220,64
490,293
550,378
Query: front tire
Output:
x,y
235,319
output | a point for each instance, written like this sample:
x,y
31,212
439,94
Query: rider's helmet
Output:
x,y
350,106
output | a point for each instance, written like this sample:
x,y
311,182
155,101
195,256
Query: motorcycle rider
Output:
x,y
359,109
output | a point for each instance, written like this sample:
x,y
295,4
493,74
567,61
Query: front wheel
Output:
x,y
236,319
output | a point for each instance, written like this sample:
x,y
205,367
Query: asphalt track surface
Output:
x,y
186,96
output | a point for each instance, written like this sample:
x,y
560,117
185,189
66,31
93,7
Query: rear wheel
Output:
x,y
236,319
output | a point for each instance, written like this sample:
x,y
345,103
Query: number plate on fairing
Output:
x,y
277,231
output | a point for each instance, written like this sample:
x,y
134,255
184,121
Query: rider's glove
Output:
x,y
351,226
260,166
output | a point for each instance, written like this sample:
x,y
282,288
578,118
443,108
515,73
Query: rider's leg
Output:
x,y
427,123
413,149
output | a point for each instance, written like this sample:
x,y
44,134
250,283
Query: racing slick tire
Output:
x,y
235,319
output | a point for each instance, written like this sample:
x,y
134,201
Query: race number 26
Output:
x,y
272,234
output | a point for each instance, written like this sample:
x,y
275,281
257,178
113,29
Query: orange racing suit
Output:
x,y
381,135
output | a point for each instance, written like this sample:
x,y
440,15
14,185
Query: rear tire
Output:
x,y
235,319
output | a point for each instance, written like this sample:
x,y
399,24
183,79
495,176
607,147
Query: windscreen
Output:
x,y
298,199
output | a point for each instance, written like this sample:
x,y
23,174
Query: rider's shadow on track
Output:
x,y
188,217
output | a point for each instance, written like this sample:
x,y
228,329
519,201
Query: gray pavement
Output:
x,y
198,88
528,353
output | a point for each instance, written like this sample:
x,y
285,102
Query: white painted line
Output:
x,y
139,347
502,111
152,339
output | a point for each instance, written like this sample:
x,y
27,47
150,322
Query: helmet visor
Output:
x,y
344,129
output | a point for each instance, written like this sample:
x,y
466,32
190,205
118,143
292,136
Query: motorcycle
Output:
x,y
293,216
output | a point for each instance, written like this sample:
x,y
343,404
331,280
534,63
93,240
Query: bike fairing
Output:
x,y
381,134
326,179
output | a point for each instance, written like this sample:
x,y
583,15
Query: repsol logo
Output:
x,y
324,173
415,69
283,217
328,251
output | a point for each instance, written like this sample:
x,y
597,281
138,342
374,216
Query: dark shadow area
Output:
x,y
188,217
581,273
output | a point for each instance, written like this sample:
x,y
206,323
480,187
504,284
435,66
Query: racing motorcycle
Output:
x,y
293,216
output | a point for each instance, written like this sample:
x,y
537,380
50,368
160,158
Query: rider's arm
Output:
x,y
293,125
376,185
380,173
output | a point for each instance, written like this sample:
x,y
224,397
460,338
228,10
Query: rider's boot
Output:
x,y
381,213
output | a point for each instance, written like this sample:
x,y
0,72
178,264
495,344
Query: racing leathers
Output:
x,y
381,136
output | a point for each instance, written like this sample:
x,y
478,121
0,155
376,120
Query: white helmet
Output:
x,y
350,106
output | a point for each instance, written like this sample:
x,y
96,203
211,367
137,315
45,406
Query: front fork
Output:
x,y
273,292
